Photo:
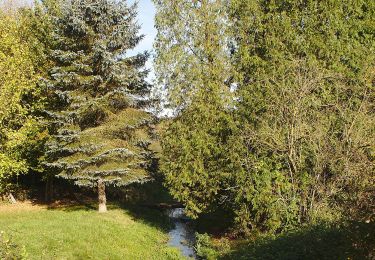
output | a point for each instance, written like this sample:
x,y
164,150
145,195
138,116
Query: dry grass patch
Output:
x,y
20,206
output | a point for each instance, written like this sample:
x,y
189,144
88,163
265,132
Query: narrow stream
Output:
x,y
182,235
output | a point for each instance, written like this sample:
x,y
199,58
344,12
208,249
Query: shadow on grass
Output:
x,y
353,241
74,207
140,212
141,202
85,203
153,217
137,201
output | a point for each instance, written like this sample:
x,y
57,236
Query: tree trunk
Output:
x,y
102,196
49,189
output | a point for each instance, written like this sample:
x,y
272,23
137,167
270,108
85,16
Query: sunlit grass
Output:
x,y
83,233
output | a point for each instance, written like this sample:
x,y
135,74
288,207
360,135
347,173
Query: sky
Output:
x,y
146,14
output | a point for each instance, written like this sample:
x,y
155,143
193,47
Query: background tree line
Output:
x,y
274,109
273,104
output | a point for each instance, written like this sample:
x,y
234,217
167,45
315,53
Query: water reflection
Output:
x,y
182,235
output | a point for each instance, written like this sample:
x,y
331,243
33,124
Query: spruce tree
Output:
x,y
97,96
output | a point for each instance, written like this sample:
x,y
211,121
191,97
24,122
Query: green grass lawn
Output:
x,y
82,233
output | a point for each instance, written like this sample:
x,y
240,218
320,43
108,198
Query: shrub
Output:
x,y
205,248
9,250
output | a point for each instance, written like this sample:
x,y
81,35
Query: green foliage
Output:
x,y
191,51
196,157
205,248
353,241
98,95
37,32
20,100
322,241
8,169
349,241
9,250
306,105
298,144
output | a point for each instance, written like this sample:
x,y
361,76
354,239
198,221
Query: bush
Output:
x,y
206,249
9,250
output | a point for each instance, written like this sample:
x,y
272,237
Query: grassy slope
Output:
x,y
82,233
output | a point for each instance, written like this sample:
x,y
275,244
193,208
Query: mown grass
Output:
x,y
79,232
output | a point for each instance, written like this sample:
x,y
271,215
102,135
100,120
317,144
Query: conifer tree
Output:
x,y
193,65
97,96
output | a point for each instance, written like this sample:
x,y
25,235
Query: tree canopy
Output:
x,y
196,151
20,100
293,142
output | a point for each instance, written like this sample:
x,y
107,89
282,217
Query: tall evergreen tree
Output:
x,y
193,66
97,96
